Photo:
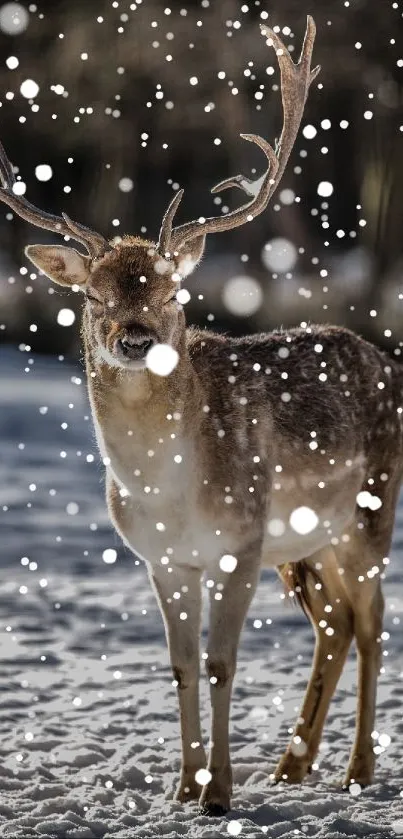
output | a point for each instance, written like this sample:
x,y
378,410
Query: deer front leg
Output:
x,y
182,616
227,614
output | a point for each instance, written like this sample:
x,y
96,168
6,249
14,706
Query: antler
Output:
x,y
295,82
95,244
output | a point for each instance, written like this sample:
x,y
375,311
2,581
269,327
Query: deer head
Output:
x,y
130,286
130,295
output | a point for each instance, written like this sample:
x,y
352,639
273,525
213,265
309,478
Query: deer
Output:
x,y
280,450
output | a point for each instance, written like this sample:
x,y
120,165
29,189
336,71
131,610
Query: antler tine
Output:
x,y
166,226
6,170
295,81
95,244
248,185
193,229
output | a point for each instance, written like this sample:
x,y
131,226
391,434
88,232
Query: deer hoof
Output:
x,y
187,792
291,769
360,771
212,809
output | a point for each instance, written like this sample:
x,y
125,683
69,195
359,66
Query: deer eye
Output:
x,y
93,299
172,299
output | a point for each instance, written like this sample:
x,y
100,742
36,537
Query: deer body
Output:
x,y
284,436
278,461
281,450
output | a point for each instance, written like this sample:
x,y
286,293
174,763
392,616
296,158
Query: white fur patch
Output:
x,y
162,266
186,265
103,354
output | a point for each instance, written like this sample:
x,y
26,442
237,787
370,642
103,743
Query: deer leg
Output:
x,y
183,637
367,604
333,629
227,615
368,615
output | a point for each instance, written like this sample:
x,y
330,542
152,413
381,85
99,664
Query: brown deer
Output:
x,y
278,450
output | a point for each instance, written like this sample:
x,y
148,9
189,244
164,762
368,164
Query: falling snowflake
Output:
x,y
183,296
242,296
303,520
12,62
365,499
43,172
276,527
162,359
234,828
29,89
325,189
228,563
65,317
109,556
126,184
14,18
202,777
279,255
309,132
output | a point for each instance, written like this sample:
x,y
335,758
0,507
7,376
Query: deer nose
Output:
x,y
134,347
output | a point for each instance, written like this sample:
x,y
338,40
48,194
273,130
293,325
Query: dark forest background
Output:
x,y
115,96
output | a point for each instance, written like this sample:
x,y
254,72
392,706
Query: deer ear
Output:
x,y
64,266
190,255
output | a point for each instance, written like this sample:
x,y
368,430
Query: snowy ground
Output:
x,y
88,717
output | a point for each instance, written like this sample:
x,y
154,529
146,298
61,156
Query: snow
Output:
x,y
183,296
228,563
43,172
65,317
84,666
279,255
325,189
162,359
309,132
14,18
109,556
303,520
12,62
242,295
126,184
287,196
19,188
367,499
203,776
29,89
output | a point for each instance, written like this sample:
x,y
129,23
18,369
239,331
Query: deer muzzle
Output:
x,y
132,347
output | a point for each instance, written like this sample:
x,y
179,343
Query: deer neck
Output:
x,y
136,413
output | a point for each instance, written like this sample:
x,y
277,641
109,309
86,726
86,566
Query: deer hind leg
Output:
x,y
227,615
357,558
331,616
183,637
